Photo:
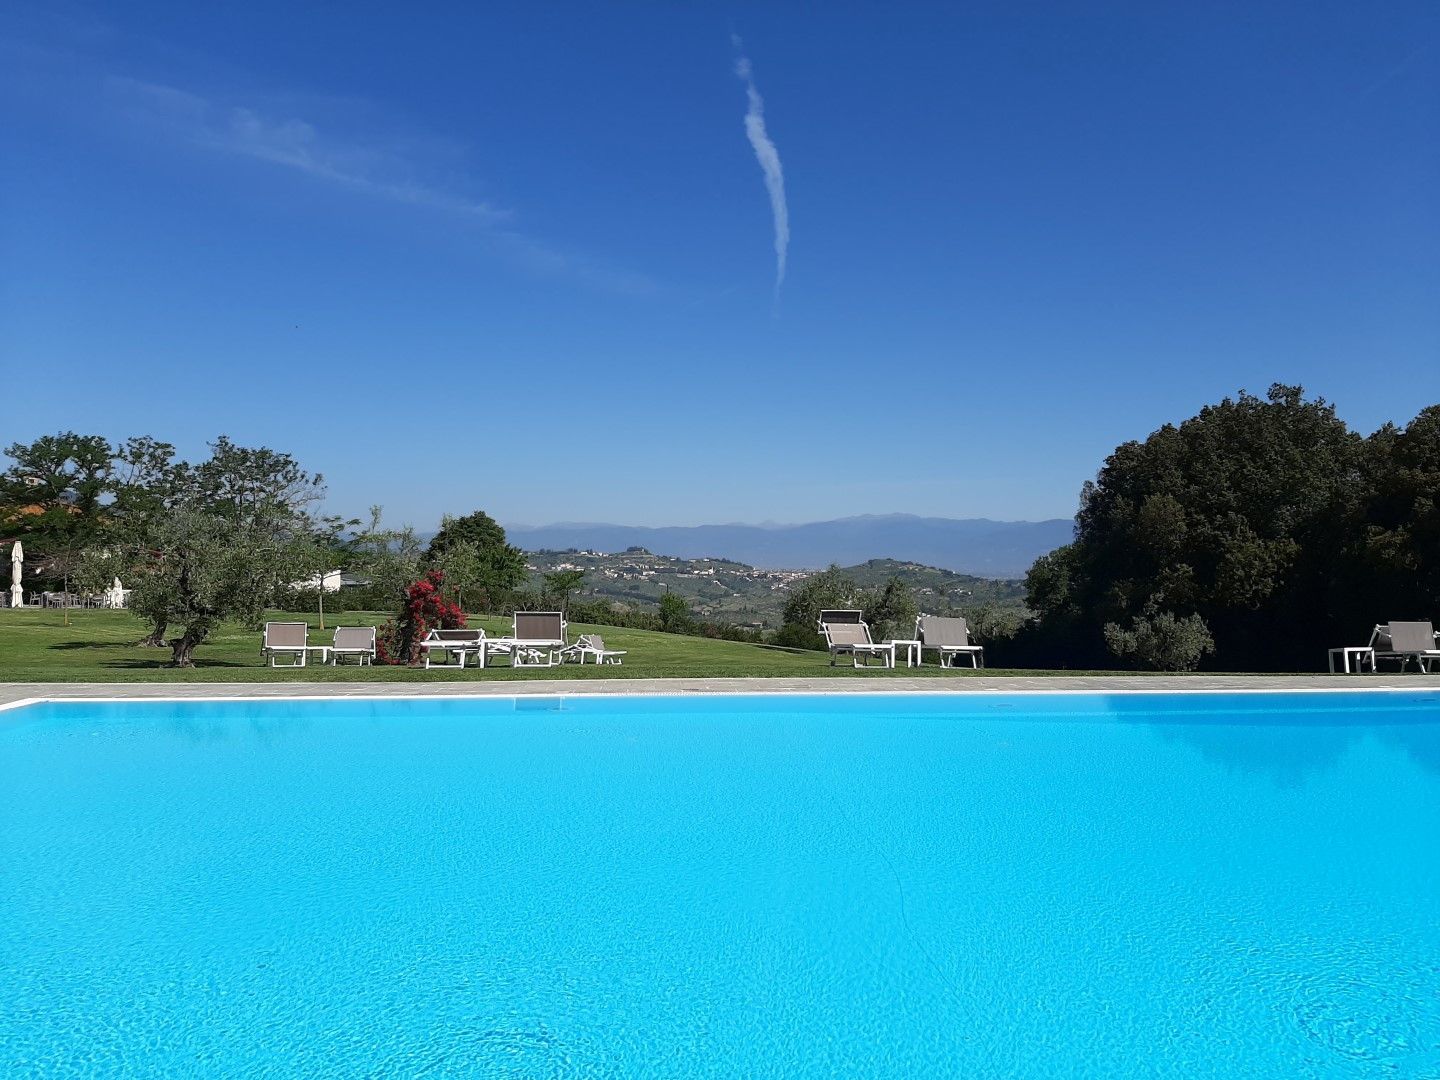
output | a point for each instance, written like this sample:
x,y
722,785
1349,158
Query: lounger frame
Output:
x,y
846,631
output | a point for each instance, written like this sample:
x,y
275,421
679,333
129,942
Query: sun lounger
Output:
x,y
457,644
594,645
286,639
356,641
950,637
1406,641
847,632
537,639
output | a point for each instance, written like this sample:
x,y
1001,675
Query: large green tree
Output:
x,y
478,528
492,567
1398,543
53,497
1261,528
199,568
202,543
252,486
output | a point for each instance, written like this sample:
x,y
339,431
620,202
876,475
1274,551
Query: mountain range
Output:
x,y
995,549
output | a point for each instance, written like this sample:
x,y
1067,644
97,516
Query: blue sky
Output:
x,y
398,245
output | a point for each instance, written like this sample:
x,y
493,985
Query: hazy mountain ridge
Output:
x,y
978,546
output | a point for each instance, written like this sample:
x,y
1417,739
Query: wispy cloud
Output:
x,y
290,142
369,166
769,158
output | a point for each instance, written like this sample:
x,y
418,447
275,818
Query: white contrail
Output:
x,y
769,159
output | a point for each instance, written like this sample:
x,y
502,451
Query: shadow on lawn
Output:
x,y
162,660
146,659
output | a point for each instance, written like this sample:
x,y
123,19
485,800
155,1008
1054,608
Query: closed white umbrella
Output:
x,y
17,567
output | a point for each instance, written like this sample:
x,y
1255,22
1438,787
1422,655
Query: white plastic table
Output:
x,y
913,656
1359,652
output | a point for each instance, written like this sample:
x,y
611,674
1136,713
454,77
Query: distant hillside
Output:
x,y
939,590
998,549
729,591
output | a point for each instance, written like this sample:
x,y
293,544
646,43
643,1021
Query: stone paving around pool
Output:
x,y
12,693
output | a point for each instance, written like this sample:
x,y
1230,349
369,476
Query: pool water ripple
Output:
x,y
1371,1005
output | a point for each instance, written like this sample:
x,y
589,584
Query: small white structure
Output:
x,y
116,596
328,582
331,581
17,567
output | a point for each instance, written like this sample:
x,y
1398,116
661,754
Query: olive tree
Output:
x,y
388,558
200,569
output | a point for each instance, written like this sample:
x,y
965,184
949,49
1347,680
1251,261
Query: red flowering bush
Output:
x,y
426,609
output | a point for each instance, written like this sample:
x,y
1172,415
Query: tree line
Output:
x,y
1248,537
223,538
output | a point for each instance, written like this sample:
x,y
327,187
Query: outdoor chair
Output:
x,y
356,641
847,632
950,637
453,643
1405,641
537,638
594,645
286,639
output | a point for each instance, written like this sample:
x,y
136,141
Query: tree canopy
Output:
x,y
476,558
479,528
52,496
1251,534
196,543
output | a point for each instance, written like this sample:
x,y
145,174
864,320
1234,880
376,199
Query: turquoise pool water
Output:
x,y
861,886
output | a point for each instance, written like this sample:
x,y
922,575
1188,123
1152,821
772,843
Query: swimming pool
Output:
x,y
852,885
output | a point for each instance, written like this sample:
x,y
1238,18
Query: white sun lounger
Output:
x,y
594,645
356,641
286,639
846,631
1406,641
950,637
537,640
459,644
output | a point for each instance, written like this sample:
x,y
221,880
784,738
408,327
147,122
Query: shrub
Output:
x,y
675,614
426,609
1161,641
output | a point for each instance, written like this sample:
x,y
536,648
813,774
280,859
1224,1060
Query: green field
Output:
x,y
98,646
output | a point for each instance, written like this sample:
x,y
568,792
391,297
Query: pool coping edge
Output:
x,y
110,693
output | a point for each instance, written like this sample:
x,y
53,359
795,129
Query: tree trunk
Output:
x,y
184,648
156,637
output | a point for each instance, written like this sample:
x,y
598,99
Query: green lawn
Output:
x,y
98,646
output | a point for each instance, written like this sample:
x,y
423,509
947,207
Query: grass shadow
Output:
x,y
155,663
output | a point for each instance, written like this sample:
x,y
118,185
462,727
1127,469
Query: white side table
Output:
x,y
913,657
1359,652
